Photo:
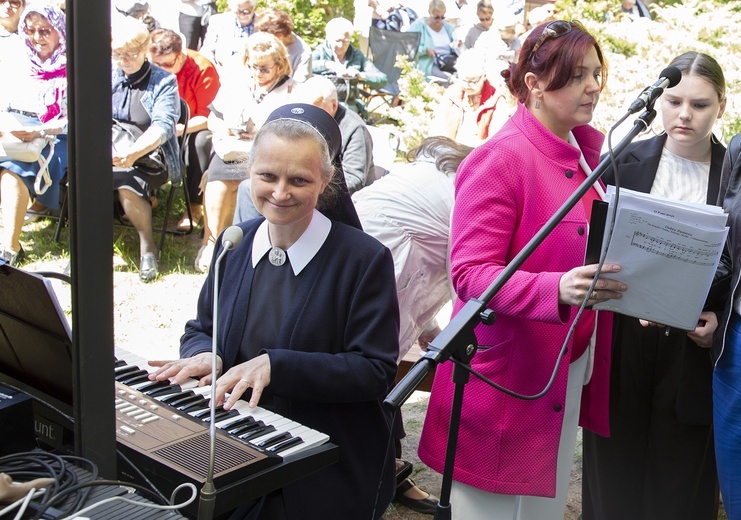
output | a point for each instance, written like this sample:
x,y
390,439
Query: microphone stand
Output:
x,y
458,339
207,501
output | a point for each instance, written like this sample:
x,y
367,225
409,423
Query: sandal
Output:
x,y
426,506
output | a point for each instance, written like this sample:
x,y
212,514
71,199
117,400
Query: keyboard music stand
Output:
x,y
36,342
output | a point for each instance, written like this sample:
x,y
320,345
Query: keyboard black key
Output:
x,y
247,428
259,432
221,415
174,397
123,377
184,402
165,390
236,424
274,440
290,443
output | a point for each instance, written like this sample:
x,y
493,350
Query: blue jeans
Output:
x,y
727,419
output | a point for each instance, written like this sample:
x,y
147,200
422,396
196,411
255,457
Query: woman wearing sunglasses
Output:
x,y
514,456
249,92
436,39
34,101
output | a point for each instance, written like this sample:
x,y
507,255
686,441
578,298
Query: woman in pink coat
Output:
x,y
513,452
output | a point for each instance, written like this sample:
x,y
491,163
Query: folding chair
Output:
x,y
385,46
183,143
385,148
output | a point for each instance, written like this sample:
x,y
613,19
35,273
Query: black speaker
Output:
x,y
16,421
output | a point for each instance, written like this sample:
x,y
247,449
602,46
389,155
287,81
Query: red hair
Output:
x,y
557,58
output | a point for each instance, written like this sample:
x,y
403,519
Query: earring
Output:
x,y
722,128
537,103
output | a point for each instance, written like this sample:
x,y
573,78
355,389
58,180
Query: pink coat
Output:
x,y
505,191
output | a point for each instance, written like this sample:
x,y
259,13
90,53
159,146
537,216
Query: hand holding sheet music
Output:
x,y
669,251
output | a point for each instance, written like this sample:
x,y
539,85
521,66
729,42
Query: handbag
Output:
x,y
124,135
27,151
446,62
17,150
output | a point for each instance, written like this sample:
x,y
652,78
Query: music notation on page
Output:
x,y
668,251
673,250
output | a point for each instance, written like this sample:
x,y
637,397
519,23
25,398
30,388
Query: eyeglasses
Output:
x,y
552,30
485,19
438,17
472,82
244,12
43,32
15,4
163,65
262,69
120,56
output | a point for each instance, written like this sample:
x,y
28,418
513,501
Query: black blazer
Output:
x,y
333,363
637,167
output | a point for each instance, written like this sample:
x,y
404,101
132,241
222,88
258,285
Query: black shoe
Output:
x,y
148,268
9,257
404,471
426,506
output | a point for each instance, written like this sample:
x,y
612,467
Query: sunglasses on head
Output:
x,y
552,30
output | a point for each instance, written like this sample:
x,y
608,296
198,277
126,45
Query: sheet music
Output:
x,y
669,252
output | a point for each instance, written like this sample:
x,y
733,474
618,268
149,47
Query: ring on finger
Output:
x,y
245,382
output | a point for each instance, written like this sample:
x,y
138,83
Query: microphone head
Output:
x,y
673,74
232,237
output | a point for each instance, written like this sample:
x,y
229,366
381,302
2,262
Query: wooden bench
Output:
x,y
406,363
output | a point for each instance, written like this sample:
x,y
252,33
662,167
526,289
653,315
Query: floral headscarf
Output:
x,y
55,17
55,68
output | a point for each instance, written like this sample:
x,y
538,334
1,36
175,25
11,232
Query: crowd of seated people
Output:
x,y
247,63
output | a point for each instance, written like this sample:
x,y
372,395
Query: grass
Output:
x,y
177,255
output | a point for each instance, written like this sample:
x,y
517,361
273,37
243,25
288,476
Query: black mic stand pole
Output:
x,y
458,340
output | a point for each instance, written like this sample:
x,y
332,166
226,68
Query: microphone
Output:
x,y
229,240
231,237
668,78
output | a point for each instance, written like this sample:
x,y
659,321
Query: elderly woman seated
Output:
x,y
345,65
467,110
33,105
145,99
